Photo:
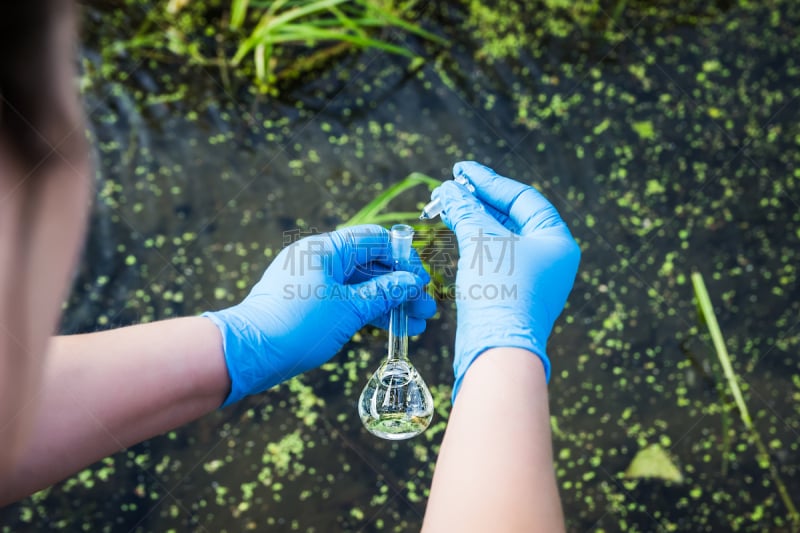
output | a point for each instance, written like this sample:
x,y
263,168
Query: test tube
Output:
x,y
401,237
433,208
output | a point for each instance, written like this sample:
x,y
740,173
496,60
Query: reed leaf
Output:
x,y
238,13
391,19
300,11
347,22
707,311
371,212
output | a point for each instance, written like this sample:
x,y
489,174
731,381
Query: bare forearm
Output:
x,y
105,391
495,468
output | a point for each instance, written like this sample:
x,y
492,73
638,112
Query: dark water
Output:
x,y
672,151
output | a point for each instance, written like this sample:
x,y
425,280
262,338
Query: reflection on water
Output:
x,y
675,151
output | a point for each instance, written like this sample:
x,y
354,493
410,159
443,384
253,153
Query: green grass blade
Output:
x,y
274,7
303,34
301,11
260,62
394,20
238,13
269,23
347,22
432,183
369,212
395,217
707,310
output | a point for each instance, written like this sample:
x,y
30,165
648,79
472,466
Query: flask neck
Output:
x,y
398,329
398,334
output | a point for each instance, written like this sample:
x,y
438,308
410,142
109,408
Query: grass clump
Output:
x,y
266,42
324,27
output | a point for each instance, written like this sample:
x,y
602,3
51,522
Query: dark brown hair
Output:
x,y
36,116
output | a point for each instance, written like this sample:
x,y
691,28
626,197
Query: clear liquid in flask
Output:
x,y
396,404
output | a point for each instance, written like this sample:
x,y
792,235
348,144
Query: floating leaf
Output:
x,y
653,462
644,129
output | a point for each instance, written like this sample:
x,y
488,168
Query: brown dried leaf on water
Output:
x,y
653,462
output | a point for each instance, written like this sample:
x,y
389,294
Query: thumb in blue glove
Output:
x,y
517,264
311,300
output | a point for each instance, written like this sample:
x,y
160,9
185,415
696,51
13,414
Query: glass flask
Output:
x,y
396,404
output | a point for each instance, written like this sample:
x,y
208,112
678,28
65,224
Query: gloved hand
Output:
x,y
517,265
313,297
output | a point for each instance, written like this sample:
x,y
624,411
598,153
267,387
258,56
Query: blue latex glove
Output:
x,y
517,265
313,297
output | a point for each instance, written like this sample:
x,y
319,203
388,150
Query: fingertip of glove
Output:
x,y
459,204
473,171
427,309
462,168
423,275
416,326
450,191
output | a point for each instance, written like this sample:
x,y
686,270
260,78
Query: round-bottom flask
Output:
x,y
396,404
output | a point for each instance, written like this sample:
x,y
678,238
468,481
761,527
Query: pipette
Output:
x,y
433,208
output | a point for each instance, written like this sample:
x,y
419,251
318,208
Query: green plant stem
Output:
x,y
369,212
238,13
707,310
719,345
395,217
